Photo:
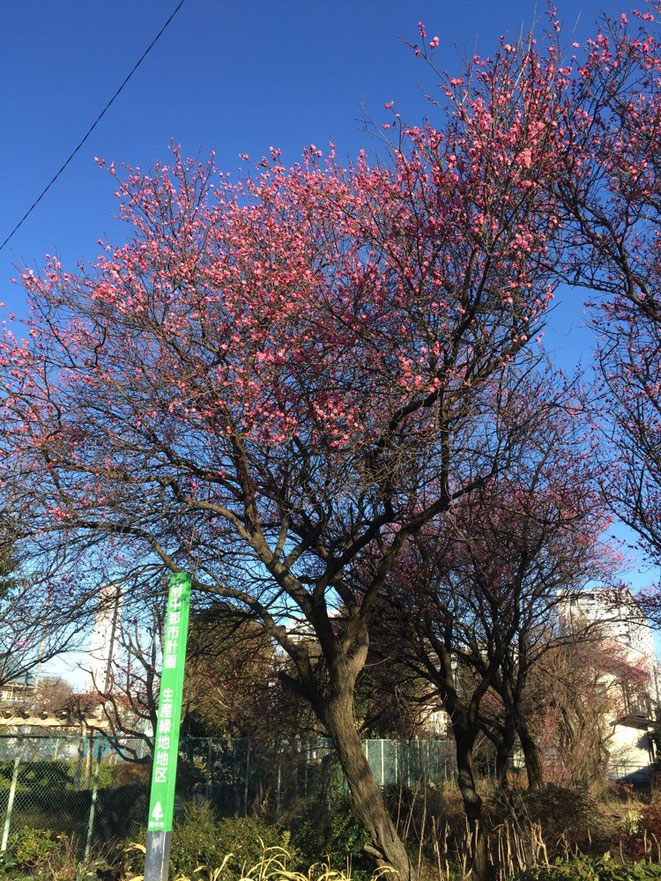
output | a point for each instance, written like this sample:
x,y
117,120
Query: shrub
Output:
x,y
336,836
567,816
36,849
129,774
8,867
650,818
42,855
201,839
581,868
274,864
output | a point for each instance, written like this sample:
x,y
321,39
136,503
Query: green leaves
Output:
x,y
582,868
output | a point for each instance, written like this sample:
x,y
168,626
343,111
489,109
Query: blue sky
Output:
x,y
234,77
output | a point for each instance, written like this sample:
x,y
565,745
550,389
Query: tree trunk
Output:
x,y
532,757
366,795
482,868
503,754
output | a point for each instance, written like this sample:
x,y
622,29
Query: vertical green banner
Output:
x,y
166,738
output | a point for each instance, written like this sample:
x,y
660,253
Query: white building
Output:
x,y
19,691
613,617
103,644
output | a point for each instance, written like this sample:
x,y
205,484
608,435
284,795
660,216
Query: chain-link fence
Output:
x,y
83,786
77,785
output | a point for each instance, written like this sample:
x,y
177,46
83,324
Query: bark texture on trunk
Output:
x,y
482,868
344,654
366,794
503,754
532,757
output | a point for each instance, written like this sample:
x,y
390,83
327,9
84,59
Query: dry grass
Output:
x,y
272,866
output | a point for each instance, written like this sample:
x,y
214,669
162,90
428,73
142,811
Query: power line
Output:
x,y
93,126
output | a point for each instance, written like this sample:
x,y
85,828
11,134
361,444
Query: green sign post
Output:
x,y
166,739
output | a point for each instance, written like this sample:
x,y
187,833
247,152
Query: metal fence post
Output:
x,y
279,784
305,772
208,778
89,757
10,802
95,792
247,781
78,772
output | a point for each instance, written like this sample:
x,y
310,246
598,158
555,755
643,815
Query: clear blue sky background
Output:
x,y
234,77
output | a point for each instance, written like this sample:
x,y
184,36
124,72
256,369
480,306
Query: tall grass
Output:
x,y
272,866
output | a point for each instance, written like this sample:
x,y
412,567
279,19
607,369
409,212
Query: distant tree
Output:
x,y
124,701
231,685
475,597
580,690
32,630
233,688
53,694
392,701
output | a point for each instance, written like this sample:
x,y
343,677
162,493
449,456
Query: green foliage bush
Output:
x,y
582,868
336,837
201,839
9,869
53,776
35,849
35,854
